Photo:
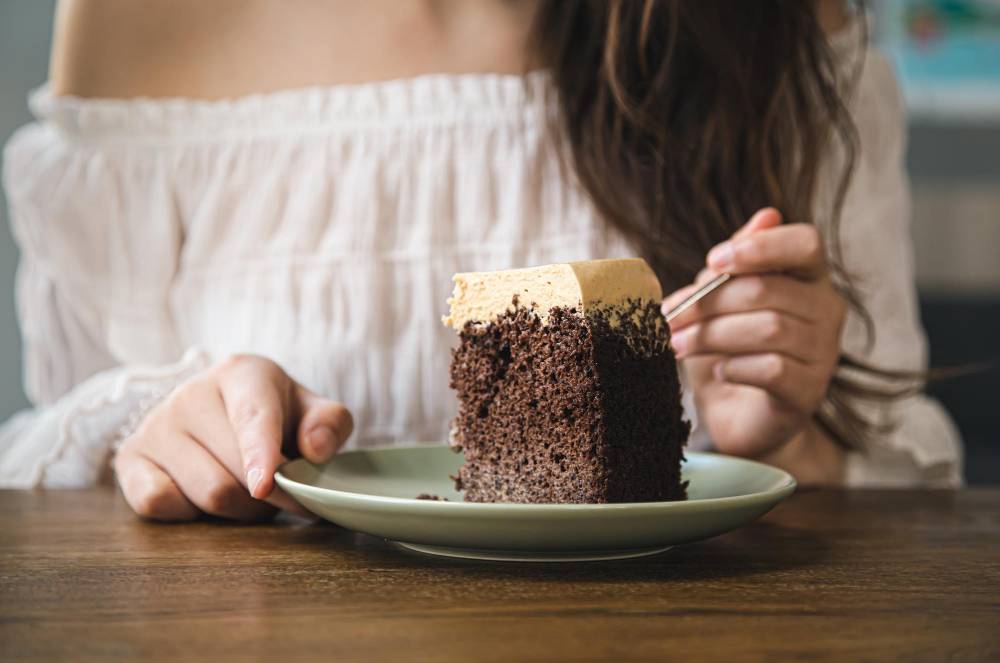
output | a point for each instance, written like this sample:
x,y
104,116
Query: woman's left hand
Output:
x,y
760,351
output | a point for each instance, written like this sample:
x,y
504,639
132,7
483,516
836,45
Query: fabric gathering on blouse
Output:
x,y
321,227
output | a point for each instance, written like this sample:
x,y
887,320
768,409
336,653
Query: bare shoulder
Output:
x,y
118,48
210,49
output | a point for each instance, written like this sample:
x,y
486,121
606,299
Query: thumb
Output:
x,y
324,426
767,217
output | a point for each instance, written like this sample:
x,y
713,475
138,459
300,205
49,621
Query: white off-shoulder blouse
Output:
x,y
321,228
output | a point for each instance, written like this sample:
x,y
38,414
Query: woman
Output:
x,y
227,209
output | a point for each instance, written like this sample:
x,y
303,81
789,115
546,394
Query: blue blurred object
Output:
x,y
947,55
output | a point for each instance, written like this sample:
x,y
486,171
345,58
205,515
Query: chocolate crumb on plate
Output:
x,y
428,496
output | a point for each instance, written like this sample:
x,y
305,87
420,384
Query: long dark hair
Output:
x,y
683,118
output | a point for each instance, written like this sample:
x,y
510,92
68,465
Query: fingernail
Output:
x,y
719,371
681,342
664,308
254,476
322,441
721,257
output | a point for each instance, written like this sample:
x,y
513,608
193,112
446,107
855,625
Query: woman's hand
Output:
x,y
760,350
213,445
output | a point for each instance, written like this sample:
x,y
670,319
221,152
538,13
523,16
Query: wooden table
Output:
x,y
826,575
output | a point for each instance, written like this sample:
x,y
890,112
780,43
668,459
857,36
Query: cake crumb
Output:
x,y
428,496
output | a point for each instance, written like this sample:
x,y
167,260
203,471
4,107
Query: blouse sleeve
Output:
x,y
923,447
81,373
68,444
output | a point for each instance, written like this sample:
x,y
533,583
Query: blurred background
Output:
x,y
947,54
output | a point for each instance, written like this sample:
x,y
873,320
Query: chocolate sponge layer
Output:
x,y
580,409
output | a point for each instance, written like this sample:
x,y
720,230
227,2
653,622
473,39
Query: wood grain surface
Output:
x,y
828,575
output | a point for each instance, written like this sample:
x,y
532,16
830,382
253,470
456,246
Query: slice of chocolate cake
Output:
x,y
567,386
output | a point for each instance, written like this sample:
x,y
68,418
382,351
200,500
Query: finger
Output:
x,y
203,480
256,395
704,275
748,333
755,293
796,249
787,379
211,428
324,427
767,217
677,296
150,491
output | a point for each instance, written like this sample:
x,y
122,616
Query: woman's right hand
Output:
x,y
213,445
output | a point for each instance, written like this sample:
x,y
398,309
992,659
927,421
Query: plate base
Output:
x,y
531,555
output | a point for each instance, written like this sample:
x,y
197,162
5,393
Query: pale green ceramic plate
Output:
x,y
373,491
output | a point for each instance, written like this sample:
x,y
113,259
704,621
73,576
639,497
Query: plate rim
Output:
x,y
786,486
